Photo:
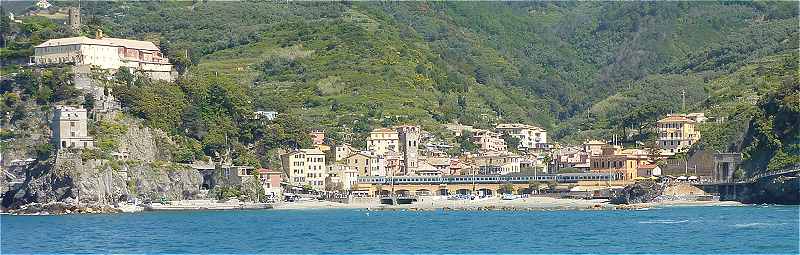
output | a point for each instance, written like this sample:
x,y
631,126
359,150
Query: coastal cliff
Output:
x,y
774,190
132,162
95,183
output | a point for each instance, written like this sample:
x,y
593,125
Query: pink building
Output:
x,y
317,137
271,181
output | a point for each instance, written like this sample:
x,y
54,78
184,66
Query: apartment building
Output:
x,y
530,137
676,133
305,167
488,140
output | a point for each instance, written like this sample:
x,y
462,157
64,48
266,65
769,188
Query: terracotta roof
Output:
x,y
648,166
267,171
362,153
675,118
383,130
115,42
312,151
438,161
517,125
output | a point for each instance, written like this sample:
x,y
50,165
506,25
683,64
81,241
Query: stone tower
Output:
x,y
70,128
409,142
74,19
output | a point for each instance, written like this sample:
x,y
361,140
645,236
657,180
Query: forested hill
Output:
x,y
533,62
579,69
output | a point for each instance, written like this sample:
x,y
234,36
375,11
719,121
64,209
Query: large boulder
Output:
x,y
639,192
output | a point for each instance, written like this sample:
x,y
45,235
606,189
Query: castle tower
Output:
x,y
74,19
70,128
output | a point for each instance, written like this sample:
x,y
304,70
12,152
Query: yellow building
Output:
x,y
501,163
305,167
366,164
622,163
676,133
594,147
382,140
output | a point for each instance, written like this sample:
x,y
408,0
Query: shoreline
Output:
x,y
497,204
425,204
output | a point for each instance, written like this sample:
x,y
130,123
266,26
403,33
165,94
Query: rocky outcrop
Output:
x,y
146,175
145,144
640,192
97,183
774,190
56,208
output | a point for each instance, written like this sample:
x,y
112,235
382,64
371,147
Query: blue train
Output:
x,y
461,179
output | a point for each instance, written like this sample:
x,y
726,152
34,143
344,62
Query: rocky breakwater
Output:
x,y
58,208
71,182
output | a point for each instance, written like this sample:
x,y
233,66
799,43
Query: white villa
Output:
x,y
530,137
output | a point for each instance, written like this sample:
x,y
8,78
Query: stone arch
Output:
x,y
402,192
485,192
423,192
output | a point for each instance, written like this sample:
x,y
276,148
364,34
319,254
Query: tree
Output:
x,y
568,170
534,185
548,160
552,185
507,188
653,151
465,142
334,186
511,141
88,102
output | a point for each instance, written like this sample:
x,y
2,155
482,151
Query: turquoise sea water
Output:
x,y
750,229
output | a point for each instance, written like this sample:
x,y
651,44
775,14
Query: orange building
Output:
x,y
622,163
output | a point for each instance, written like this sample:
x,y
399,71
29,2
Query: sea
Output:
x,y
728,229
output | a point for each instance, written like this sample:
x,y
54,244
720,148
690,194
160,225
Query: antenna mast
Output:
x,y
683,98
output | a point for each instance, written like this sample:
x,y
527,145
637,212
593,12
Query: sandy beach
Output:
x,y
495,203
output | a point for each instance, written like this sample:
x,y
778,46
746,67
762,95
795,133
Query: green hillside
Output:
x,y
579,69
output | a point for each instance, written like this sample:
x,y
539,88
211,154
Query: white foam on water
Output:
x,y
663,221
755,224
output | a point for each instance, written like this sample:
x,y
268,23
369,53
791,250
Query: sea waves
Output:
x,y
663,222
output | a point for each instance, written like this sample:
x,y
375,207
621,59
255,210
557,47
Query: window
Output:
x,y
71,123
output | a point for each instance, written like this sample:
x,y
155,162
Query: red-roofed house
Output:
x,y
648,170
